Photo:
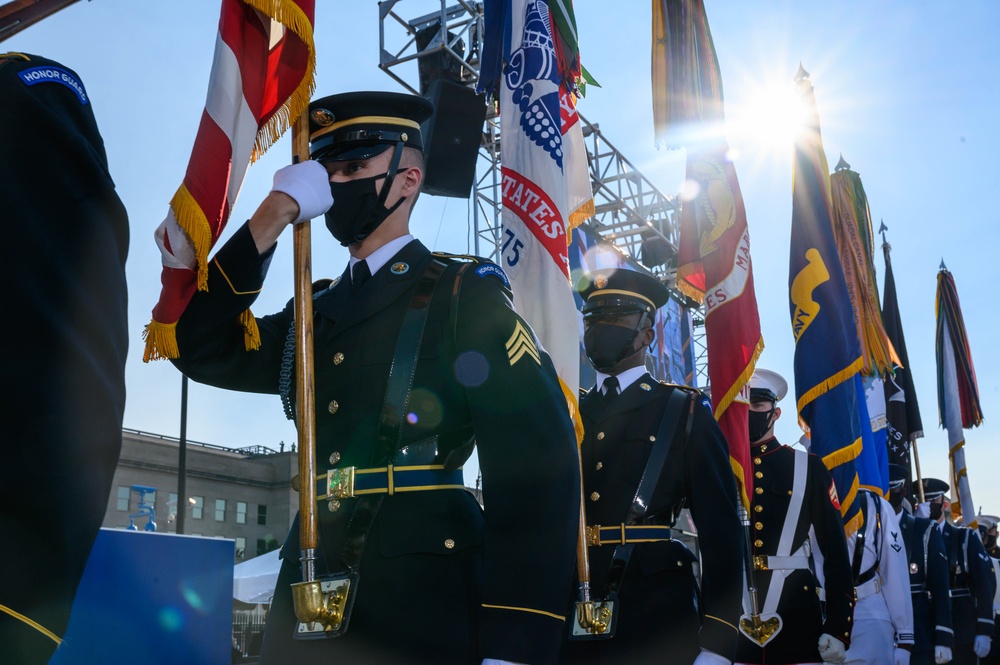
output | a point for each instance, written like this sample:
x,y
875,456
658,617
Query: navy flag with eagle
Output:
x,y
827,350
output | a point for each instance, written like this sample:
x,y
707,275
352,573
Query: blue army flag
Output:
x,y
827,350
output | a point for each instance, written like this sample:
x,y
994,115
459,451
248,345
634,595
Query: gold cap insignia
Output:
x,y
322,117
601,281
399,268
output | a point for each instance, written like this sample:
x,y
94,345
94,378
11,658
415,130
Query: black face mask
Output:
x,y
358,208
896,500
607,345
936,509
758,422
989,542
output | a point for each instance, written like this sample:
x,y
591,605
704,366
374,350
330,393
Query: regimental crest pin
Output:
x,y
399,268
645,386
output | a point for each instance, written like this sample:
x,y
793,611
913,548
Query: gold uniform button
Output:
x,y
334,457
758,543
763,449
449,543
333,505
594,496
600,436
332,406
758,509
652,438
756,460
600,465
338,358
758,475
758,490
758,526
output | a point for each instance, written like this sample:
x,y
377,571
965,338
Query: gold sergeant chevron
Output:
x,y
521,343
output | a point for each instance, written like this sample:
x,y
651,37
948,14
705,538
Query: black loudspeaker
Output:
x,y
452,136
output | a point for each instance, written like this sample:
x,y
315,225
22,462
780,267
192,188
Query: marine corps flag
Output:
x,y
713,264
827,351
262,78
531,65
958,392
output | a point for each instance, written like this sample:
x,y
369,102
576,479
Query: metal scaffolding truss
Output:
x,y
629,208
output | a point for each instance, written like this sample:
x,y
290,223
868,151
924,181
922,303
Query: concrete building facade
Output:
x,y
241,494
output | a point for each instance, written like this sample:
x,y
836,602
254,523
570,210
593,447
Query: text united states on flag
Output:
x,y
546,185
262,78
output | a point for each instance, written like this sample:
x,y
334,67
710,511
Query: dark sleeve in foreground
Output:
x,y
712,501
838,580
531,477
210,337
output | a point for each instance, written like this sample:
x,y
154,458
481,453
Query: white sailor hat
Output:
x,y
765,383
988,521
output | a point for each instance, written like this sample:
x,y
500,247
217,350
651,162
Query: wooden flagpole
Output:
x,y
304,381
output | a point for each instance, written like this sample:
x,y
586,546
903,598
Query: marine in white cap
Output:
x,y
794,495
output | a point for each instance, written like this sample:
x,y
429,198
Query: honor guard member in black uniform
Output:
x,y
988,533
650,449
64,342
417,356
793,494
972,584
929,589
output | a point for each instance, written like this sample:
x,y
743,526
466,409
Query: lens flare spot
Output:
x,y
412,418
193,598
171,619
427,409
472,369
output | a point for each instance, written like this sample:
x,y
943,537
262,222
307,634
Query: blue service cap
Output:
x,y
621,289
360,125
933,488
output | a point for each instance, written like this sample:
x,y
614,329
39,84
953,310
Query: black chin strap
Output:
x,y
381,213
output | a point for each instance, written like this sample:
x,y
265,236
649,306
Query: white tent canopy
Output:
x,y
254,580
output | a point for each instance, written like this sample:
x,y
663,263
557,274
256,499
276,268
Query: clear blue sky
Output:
x,y
907,91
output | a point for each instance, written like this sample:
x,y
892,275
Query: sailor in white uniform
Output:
x,y
883,616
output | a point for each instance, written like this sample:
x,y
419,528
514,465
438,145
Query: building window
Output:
x,y
241,547
124,494
262,515
198,507
220,510
241,512
265,545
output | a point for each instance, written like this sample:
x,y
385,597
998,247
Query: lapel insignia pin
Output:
x,y
335,282
399,268
645,386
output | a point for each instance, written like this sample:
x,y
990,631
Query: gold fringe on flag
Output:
x,y
741,381
827,385
852,229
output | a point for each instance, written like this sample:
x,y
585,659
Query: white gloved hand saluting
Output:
x,y
981,646
711,658
308,184
942,655
831,650
900,657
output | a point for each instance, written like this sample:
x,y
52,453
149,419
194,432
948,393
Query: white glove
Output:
x,y
900,657
831,650
942,655
923,509
711,658
308,184
981,646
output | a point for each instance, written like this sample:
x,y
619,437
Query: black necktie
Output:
x,y
359,275
610,387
